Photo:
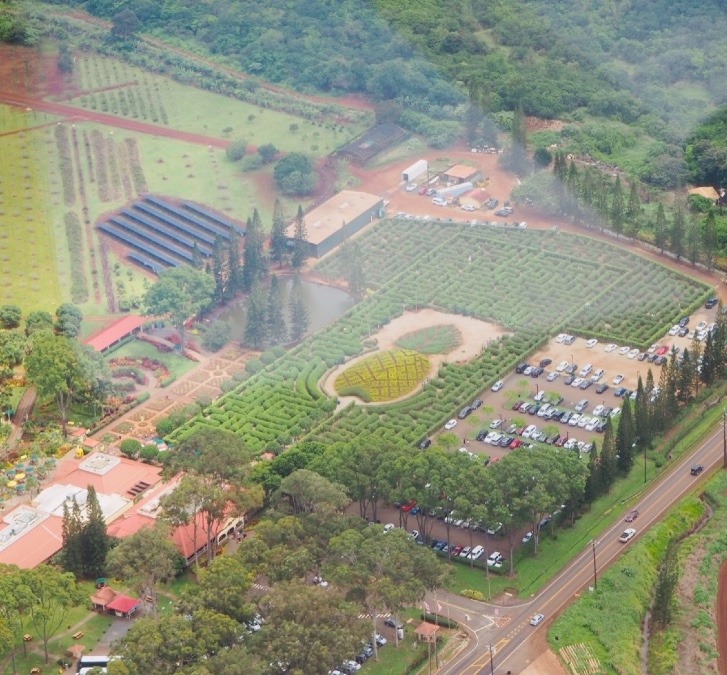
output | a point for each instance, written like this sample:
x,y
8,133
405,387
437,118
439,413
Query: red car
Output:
x,y
515,443
662,350
632,516
516,406
409,505
456,551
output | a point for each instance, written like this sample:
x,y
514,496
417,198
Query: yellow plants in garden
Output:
x,y
384,376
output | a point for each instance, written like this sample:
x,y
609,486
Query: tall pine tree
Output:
x,y
660,231
710,242
300,245
234,271
298,311
277,330
72,533
625,438
278,240
96,543
677,233
255,325
253,258
607,465
617,214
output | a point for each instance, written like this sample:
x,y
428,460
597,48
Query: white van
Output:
x,y
586,370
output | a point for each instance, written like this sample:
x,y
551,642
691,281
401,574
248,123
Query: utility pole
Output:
x,y
595,578
724,436
492,667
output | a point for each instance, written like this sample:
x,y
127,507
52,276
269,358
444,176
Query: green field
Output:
x,y
432,340
160,100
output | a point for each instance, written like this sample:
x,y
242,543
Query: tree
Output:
x,y
15,601
710,241
254,267
309,628
625,438
591,490
65,58
351,255
236,150
384,569
255,321
64,370
53,594
125,24
660,231
267,152
179,294
694,241
69,319
10,316
38,321
608,462
94,538
277,330
130,447
306,491
234,269
278,239
666,584
145,559
218,269
616,215
300,243
677,232
633,210
516,159
72,531
298,311
295,175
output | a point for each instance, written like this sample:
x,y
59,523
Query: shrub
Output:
x,y
149,453
130,447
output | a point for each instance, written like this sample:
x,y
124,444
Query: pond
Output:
x,y
324,304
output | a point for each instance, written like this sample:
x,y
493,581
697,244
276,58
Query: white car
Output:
x,y
529,430
352,666
591,343
527,537
627,535
585,419
632,354
496,438
438,201
577,382
611,347
498,385
496,424
598,410
476,552
494,558
388,527
561,366
560,338
575,417
674,329
615,412
624,350
552,377
702,325
653,348
592,424
411,187
618,379
537,619
468,207
450,425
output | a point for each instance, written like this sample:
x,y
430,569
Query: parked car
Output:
x,y
464,412
504,211
425,443
618,379
561,366
438,201
450,425
712,302
601,388
528,536
537,620
611,347
500,384
552,377
591,343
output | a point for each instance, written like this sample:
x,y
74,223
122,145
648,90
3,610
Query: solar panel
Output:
x,y
166,231
146,262
212,216
224,233
182,227
147,249
150,236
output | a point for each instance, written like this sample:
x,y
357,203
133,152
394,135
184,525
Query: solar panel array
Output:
x,y
163,235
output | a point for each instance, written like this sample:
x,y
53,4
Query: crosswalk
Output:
x,y
378,616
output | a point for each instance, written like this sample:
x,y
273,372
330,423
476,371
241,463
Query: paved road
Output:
x,y
506,629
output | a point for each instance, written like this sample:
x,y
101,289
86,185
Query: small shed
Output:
x,y
123,606
427,632
102,597
414,171
461,173
476,198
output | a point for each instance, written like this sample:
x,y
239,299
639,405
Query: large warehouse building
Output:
x,y
334,221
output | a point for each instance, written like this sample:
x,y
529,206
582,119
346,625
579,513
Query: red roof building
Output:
x,y
116,332
123,606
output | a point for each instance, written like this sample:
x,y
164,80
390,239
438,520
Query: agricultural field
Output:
x,y
117,88
30,247
533,283
432,340
384,376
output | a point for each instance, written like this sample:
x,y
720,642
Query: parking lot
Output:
x,y
615,364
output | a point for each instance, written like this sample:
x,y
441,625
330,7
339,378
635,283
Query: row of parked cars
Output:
x,y
495,559
352,666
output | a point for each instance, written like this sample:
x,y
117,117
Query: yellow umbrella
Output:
x,y
11,484
20,477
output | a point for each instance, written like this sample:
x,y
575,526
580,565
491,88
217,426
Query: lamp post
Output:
x,y
595,577
492,667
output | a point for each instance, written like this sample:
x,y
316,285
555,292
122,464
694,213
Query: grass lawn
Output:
x,y
93,630
136,349
433,340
